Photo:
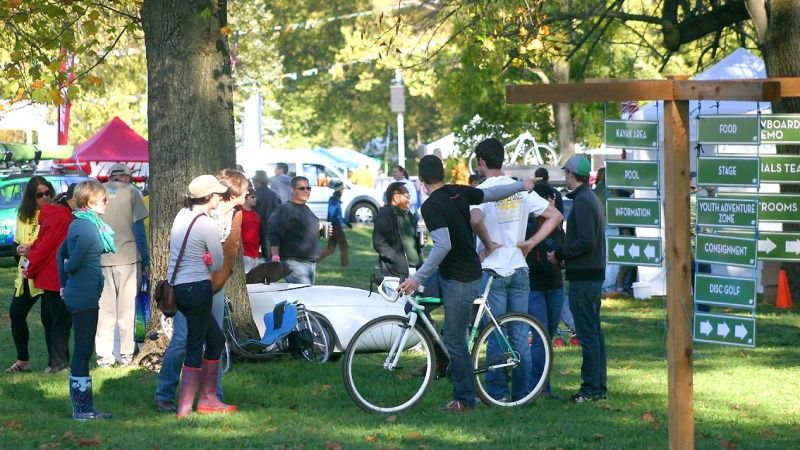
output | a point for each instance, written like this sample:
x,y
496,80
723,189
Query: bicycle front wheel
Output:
x,y
512,363
381,375
320,346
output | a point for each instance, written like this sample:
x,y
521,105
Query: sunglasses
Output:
x,y
304,188
44,194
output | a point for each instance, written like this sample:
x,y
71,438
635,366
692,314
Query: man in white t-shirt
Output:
x,y
500,227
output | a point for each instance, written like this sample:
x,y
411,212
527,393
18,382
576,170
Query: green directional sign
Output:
x,y
632,134
725,291
722,129
725,329
784,169
727,212
633,212
728,171
780,129
632,174
633,251
779,246
779,208
723,249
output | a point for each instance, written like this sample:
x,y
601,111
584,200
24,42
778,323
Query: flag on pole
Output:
x,y
67,62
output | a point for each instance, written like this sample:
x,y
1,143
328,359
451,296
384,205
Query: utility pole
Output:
x,y
397,98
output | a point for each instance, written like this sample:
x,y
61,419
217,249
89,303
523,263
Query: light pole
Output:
x,y
397,102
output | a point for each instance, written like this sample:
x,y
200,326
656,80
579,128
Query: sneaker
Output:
x,y
456,407
105,363
573,340
581,398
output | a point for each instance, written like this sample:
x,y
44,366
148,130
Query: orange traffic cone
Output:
x,y
784,297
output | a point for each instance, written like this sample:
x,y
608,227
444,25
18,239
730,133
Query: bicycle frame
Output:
x,y
417,312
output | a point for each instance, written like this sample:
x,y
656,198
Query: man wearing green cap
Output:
x,y
585,262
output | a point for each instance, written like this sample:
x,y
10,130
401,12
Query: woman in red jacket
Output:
x,y
54,220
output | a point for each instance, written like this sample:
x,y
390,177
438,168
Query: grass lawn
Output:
x,y
744,398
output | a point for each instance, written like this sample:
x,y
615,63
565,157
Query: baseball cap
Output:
x,y
578,165
206,185
260,177
119,169
337,186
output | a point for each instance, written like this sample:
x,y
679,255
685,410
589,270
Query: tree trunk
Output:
x,y
782,58
564,127
190,114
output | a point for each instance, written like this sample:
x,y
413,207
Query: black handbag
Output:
x,y
164,294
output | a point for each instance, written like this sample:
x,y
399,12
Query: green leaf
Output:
x,y
41,95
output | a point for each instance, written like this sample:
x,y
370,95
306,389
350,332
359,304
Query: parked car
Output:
x,y
11,190
359,204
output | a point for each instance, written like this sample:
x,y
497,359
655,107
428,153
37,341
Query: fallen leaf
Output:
x,y
90,442
766,433
599,436
726,444
392,419
325,387
12,425
49,445
413,435
648,417
315,392
333,446
372,438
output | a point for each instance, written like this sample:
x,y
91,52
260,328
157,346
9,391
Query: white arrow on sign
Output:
x,y
619,250
723,330
740,331
650,251
705,327
634,251
766,245
793,246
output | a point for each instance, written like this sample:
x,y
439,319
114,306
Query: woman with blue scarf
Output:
x,y
82,283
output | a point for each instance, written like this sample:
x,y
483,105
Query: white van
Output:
x,y
359,204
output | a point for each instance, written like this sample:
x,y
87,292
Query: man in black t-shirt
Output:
x,y
447,218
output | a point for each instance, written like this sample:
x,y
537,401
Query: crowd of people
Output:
x,y
92,237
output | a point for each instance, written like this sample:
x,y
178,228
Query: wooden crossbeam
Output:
x,y
770,89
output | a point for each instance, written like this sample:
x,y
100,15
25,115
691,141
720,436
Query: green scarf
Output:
x,y
105,231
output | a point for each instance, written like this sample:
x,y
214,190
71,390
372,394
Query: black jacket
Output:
x,y
386,241
544,275
585,243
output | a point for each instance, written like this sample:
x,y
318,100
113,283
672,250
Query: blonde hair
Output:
x,y
235,181
87,191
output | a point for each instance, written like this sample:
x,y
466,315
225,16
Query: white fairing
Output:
x,y
345,309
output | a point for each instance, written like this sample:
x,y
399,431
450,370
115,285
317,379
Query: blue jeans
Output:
x,y
584,301
546,307
508,294
299,272
170,374
457,298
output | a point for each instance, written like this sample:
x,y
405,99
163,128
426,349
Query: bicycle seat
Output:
x,y
280,322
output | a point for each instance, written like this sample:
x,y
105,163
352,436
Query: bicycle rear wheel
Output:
x,y
368,377
320,347
503,360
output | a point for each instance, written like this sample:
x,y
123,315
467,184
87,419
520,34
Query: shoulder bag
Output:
x,y
164,294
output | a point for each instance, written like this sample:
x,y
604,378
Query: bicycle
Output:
x,y
526,150
381,360
307,339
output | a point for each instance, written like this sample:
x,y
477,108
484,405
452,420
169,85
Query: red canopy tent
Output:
x,y
115,142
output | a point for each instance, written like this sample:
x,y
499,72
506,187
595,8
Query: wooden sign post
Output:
x,y
675,93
